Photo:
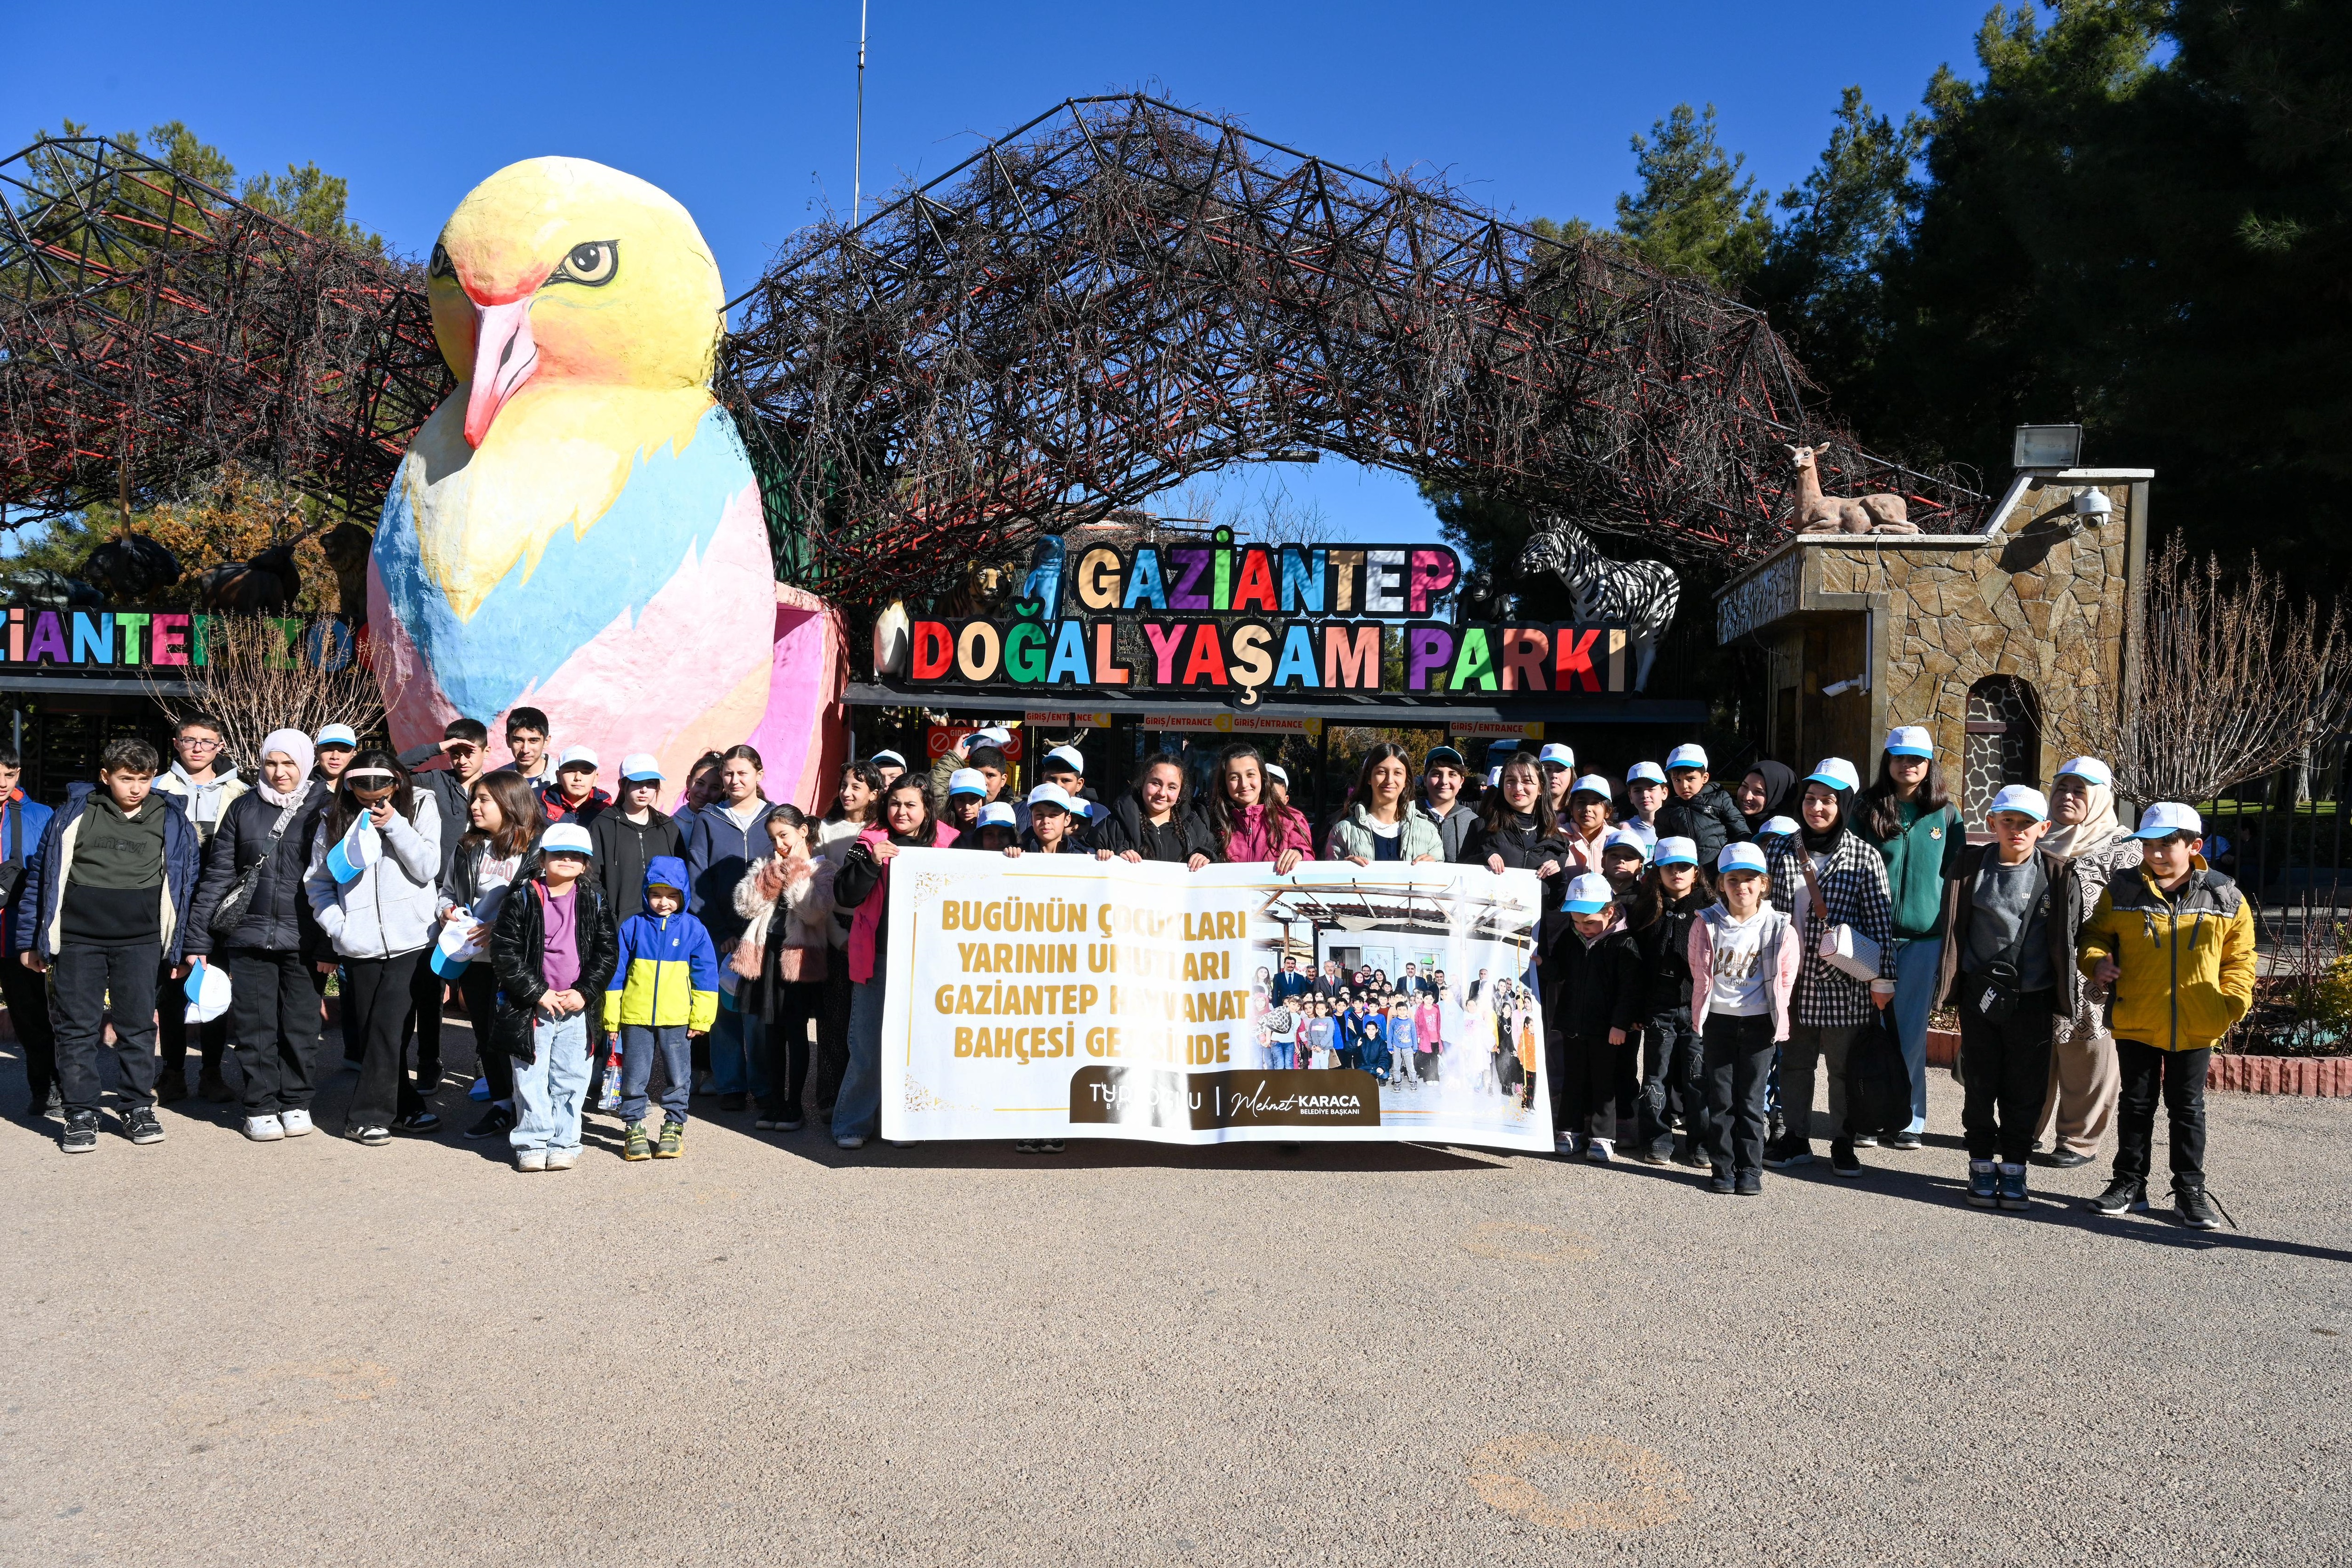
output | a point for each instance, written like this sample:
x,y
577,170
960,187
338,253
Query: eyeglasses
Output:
x,y
193,744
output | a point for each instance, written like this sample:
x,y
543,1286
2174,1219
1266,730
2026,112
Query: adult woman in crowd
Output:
x,y
725,837
908,821
1152,822
786,901
273,997
379,916
856,806
1825,878
2084,1081
1250,816
1378,824
1909,815
1767,790
503,821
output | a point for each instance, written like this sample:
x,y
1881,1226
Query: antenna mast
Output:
x,y
857,158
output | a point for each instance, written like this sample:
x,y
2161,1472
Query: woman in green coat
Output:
x,y
1907,813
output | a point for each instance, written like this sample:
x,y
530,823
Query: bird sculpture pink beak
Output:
x,y
504,357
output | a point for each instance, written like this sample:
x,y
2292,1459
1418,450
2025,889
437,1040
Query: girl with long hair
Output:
x,y
375,868
1377,822
1250,814
1152,822
787,900
504,821
856,806
727,835
909,821
1909,815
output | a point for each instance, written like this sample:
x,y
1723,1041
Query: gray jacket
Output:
x,y
1453,831
388,908
1352,836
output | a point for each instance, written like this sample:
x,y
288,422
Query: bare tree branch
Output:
x,y
262,673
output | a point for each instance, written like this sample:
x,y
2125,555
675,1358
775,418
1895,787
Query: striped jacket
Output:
x,y
1854,887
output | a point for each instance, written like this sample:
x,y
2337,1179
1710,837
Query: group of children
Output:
x,y
1703,952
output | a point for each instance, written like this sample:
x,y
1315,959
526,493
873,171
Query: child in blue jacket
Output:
x,y
665,992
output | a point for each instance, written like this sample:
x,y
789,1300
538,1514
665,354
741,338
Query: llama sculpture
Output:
x,y
1817,513
1641,594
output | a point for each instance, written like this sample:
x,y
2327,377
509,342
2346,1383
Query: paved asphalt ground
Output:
x,y
769,1352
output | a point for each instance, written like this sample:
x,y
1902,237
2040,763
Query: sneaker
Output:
x,y
1649,1157
563,1158
531,1159
496,1121
730,1102
296,1123
264,1129
2192,1208
1864,1141
1905,1141
850,1141
1750,1184
764,1122
1050,1145
2061,1159
2125,1194
1694,1159
1565,1142
80,1135
170,1086
1787,1154
789,1120
1984,1183
374,1137
1599,1151
673,1140
1720,1183
639,1146
1841,1159
2013,1187
417,1121
139,1125
211,1089
1024,1145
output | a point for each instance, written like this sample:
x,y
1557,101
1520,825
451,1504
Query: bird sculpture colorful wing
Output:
x,y
576,528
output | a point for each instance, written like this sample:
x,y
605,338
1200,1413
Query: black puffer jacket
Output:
x,y
1183,836
624,850
1523,847
1710,820
1662,973
275,920
516,951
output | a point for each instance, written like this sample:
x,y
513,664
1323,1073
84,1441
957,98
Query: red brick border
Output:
x,y
2322,1078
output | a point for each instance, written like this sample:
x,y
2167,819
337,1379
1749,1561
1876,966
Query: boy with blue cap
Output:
x,y
631,834
967,793
2175,939
1697,808
2010,912
1586,973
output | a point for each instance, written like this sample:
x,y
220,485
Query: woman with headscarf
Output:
x,y
1909,814
264,843
1767,790
1824,878
2083,1079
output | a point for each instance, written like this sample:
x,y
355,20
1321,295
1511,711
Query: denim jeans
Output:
x,y
1279,1056
735,1063
548,1087
641,1046
858,1110
1915,963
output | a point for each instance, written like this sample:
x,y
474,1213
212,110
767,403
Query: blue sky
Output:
x,y
744,112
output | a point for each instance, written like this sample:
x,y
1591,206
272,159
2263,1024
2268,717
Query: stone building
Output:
x,y
1992,640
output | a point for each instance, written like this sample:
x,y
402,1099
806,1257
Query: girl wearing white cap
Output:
x,y
2083,1079
374,900
1584,821
1907,813
1824,879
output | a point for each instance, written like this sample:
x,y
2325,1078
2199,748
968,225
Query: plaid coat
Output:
x,y
1854,886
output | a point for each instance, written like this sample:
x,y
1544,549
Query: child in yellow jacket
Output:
x,y
2174,938
665,991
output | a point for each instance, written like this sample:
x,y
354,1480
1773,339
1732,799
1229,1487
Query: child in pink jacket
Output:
x,y
1250,813
1744,956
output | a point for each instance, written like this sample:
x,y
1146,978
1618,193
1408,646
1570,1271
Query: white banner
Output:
x,y
1062,997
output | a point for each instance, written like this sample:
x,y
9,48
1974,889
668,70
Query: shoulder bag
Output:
x,y
1995,991
237,902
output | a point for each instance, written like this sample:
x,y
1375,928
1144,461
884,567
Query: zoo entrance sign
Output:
x,y
98,640
1240,621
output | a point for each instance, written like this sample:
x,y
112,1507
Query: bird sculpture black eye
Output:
x,y
440,266
591,263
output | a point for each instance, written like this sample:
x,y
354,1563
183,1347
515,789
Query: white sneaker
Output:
x,y
563,1158
1599,1150
295,1123
264,1129
851,1141
1566,1141
531,1159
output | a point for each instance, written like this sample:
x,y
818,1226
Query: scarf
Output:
x,y
296,745
1780,793
1826,843
2095,831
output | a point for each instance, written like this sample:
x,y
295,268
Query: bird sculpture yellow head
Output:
x,y
576,528
557,270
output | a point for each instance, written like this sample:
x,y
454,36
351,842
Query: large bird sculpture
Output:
x,y
576,528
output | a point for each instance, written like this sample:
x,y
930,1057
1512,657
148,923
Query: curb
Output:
x,y
2313,1077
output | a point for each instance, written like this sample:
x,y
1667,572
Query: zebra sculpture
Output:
x,y
1641,594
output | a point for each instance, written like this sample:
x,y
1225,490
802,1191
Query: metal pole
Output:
x,y
857,159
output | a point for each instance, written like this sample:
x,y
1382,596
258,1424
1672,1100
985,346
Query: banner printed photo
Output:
x,y
1062,997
